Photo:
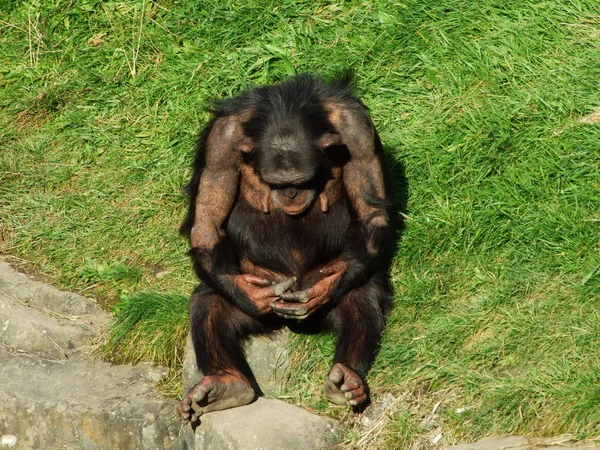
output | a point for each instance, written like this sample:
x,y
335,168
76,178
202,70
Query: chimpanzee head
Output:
x,y
287,155
290,159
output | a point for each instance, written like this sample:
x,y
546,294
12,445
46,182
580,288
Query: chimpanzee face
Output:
x,y
289,160
287,156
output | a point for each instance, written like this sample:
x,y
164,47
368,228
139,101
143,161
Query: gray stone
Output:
x,y
267,357
25,329
269,360
583,446
54,395
191,375
376,410
46,298
41,320
495,443
82,404
266,424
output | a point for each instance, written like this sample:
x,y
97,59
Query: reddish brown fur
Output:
x,y
343,209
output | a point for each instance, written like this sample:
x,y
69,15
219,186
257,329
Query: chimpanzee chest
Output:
x,y
289,245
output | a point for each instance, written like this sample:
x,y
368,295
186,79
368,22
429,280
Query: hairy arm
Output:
x,y
213,255
371,236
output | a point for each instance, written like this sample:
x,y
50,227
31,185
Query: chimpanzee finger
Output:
x,y
331,269
257,281
350,385
358,400
195,412
287,316
336,375
298,296
183,410
280,288
289,309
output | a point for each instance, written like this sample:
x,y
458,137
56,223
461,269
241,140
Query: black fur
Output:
x,y
298,101
219,319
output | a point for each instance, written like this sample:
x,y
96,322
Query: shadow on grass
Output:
x,y
400,187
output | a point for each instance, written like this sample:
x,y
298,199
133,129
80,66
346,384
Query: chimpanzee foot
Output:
x,y
213,393
345,387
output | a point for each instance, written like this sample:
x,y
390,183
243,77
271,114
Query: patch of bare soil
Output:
x,y
592,118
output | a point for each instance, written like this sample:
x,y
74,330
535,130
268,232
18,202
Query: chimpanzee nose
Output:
x,y
290,192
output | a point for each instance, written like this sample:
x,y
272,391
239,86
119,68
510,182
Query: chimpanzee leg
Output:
x,y
218,330
358,321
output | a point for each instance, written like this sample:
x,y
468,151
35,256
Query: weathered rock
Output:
x,y
267,357
47,298
377,410
265,425
40,319
269,360
81,403
25,329
53,394
191,375
583,446
495,443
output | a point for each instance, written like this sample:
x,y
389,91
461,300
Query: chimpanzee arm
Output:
x,y
371,239
214,257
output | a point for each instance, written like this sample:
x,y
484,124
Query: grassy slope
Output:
x,y
498,274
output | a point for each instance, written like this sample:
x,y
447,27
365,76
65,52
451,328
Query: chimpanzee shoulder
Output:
x,y
299,99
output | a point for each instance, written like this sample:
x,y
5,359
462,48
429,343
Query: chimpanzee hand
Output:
x,y
301,304
262,293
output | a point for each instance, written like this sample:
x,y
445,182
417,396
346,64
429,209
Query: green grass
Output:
x,y
497,276
157,321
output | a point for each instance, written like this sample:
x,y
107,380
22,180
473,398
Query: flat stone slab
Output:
x,y
266,424
494,443
42,320
55,395
82,404
47,298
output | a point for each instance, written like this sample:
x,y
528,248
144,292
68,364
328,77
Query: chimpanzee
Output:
x,y
291,223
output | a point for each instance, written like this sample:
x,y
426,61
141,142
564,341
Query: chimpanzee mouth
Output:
x,y
304,186
293,199
290,192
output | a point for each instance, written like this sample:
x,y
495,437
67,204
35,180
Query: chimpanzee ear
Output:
x,y
245,145
329,139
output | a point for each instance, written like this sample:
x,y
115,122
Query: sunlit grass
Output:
x,y
479,103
